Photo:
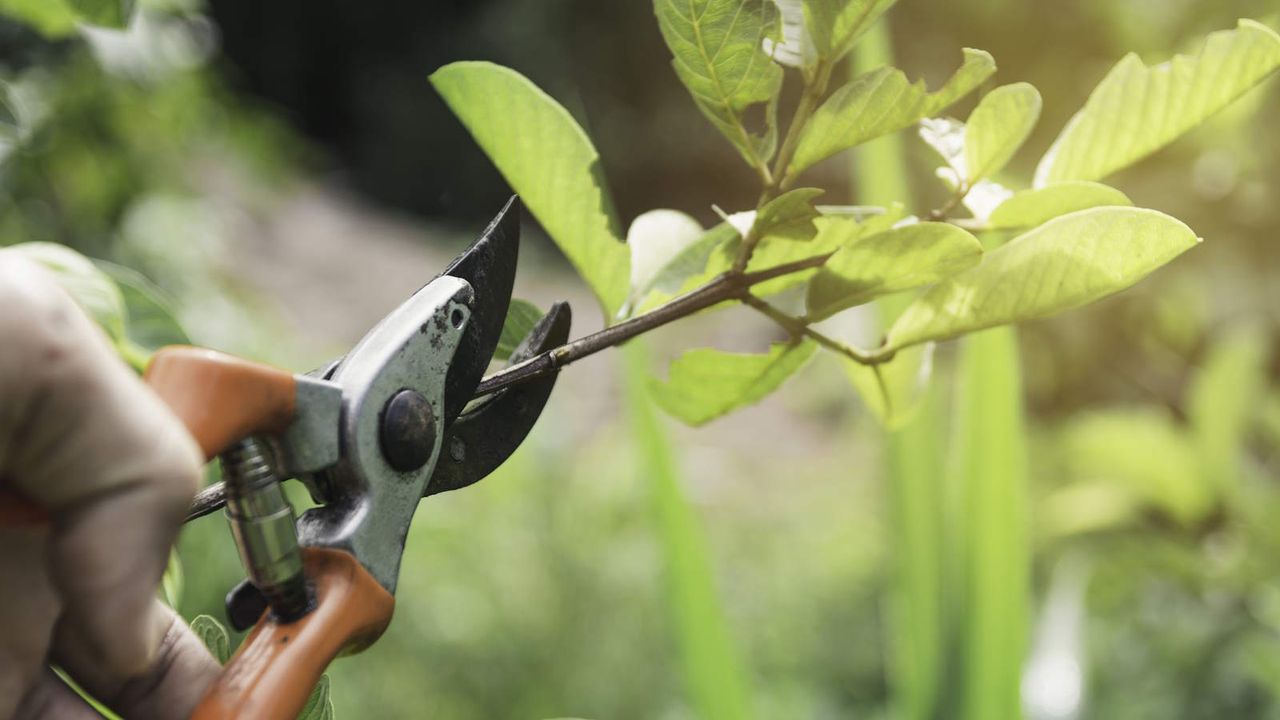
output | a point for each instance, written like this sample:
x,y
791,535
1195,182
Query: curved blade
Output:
x,y
489,266
485,436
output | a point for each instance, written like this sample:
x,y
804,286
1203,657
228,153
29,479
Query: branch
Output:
x,y
728,286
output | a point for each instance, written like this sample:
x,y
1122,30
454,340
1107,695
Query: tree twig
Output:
x,y
728,286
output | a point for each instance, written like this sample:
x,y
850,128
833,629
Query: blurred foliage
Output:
x,y
1155,417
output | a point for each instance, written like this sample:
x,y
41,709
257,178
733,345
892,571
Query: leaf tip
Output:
x,y
1250,24
976,56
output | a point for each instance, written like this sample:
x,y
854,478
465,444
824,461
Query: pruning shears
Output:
x,y
370,434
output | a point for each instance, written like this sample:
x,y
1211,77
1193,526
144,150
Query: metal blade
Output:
x,y
489,266
485,436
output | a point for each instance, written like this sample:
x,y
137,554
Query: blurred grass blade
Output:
x,y
993,535
916,636
1224,397
102,710
917,642
713,673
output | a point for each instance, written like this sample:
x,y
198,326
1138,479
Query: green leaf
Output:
x,y
789,216
691,267
718,53
1029,208
1137,110
705,383
894,391
102,710
549,161
151,323
214,637
107,13
835,25
319,706
1065,263
51,18
522,315
710,665
788,225
834,231
91,288
997,128
899,259
878,103
1142,454
1222,400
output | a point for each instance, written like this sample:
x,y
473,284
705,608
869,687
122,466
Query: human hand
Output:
x,y
84,438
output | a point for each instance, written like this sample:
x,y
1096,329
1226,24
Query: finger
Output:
x,y
28,610
83,436
51,699
170,688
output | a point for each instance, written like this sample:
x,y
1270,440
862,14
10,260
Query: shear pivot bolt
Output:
x,y
408,433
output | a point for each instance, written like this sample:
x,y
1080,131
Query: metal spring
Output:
x,y
262,523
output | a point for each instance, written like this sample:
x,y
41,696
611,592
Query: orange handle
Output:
x,y
274,671
220,398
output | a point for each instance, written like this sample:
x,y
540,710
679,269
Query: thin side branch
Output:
x,y
957,197
780,177
798,327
